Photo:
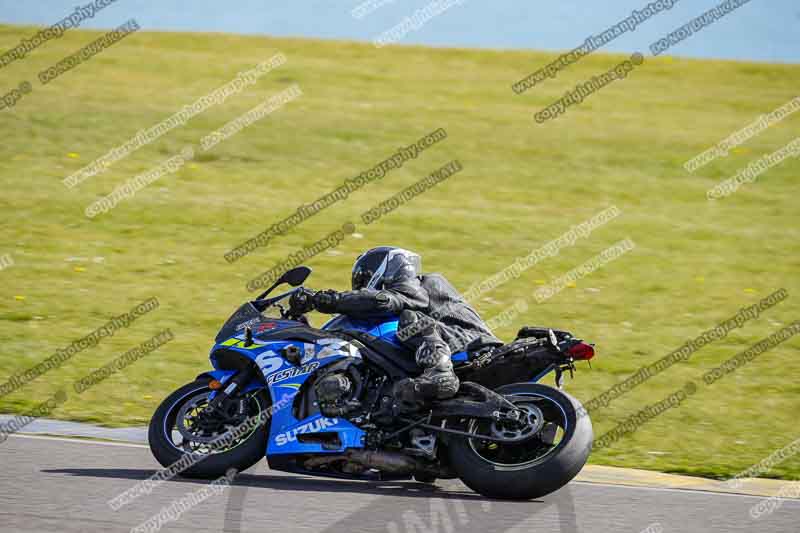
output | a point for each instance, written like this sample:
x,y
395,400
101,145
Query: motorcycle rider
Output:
x,y
434,319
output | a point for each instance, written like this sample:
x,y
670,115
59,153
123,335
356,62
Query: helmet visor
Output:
x,y
398,265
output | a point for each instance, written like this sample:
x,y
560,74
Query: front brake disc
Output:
x,y
188,420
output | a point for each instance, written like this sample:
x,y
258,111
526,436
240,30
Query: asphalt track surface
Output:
x,y
63,485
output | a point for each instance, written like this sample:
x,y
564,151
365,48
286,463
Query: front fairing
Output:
x,y
284,380
248,316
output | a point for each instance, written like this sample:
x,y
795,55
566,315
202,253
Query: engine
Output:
x,y
339,389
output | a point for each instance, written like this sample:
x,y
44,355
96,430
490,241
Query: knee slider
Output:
x,y
407,318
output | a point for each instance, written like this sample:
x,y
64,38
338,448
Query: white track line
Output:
x,y
624,487
79,441
669,489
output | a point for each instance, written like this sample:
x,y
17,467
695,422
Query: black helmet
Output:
x,y
384,265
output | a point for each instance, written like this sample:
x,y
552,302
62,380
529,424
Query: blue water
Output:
x,y
762,30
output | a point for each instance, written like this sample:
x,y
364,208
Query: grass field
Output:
x,y
695,262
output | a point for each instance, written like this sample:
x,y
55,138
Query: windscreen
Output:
x,y
238,321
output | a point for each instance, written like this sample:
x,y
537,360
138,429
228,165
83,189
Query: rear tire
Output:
x,y
533,478
241,457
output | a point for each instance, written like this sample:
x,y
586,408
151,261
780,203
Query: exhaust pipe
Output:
x,y
390,462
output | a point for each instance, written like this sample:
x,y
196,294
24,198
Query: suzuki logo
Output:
x,y
310,427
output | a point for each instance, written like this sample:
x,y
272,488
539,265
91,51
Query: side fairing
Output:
x,y
284,381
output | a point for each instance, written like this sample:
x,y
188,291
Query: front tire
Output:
x,y
537,465
241,455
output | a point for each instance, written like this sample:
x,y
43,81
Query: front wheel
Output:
x,y
202,447
551,446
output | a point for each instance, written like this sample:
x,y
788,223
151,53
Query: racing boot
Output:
x,y
438,380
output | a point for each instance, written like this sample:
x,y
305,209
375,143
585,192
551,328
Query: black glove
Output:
x,y
302,301
326,301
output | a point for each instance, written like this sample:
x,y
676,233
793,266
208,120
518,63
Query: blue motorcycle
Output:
x,y
319,402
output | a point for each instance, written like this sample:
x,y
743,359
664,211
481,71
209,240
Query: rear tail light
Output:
x,y
581,351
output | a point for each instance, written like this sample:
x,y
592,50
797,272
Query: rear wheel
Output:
x,y
552,443
177,430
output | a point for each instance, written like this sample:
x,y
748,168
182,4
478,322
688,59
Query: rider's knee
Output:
x,y
407,318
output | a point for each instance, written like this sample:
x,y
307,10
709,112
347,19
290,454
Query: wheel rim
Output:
x,y
191,404
535,445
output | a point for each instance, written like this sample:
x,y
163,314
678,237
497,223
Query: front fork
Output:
x,y
220,406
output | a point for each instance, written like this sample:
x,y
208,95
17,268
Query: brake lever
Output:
x,y
294,314
282,309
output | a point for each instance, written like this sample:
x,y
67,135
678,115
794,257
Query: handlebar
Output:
x,y
266,302
298,305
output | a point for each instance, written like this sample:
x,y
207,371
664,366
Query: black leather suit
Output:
x,y
432,299
435,321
